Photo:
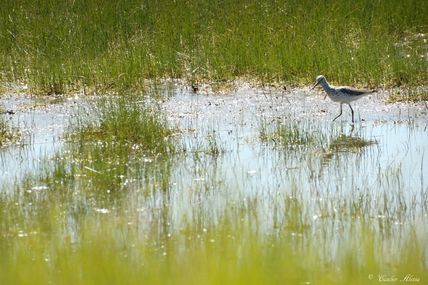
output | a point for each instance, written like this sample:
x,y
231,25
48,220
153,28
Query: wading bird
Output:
x,y
342,94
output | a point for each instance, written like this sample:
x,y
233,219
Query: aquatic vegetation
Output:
x,y
347,143
213,147
8,134
409,95
285,134
106,143
124,122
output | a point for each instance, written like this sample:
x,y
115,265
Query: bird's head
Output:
x,y
318,80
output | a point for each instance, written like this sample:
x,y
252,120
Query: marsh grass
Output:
x,y
64,46
284,134
8,135
349,143
111,144
125,122
212,146
409,95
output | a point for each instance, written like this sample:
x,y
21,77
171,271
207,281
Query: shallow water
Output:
x,y
41,122
392,172
309,191
399,130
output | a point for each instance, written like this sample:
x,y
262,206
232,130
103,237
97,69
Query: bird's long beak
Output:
x,y
316,83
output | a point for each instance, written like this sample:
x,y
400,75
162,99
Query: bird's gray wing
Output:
x,y
354,92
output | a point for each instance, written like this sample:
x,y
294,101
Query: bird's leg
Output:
x,y
352,112
340,113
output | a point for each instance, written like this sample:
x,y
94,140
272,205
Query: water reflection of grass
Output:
x,y
48,239
292,134
105,211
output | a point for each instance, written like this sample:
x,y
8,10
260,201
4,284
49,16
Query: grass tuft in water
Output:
x,y
349,143
214,148
284,134
8,135
129,123
111,140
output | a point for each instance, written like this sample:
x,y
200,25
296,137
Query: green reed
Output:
x,y
63,46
